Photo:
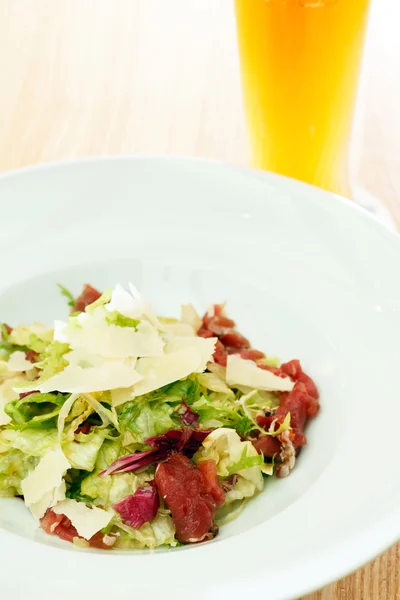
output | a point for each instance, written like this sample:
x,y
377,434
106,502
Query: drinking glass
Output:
x,y
300,62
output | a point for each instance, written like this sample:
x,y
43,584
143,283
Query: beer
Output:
x,y
300,61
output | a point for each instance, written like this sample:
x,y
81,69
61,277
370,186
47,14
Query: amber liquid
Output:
x,y
300,61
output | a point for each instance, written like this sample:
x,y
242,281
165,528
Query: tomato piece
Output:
x,y
182,487
208,468
88,296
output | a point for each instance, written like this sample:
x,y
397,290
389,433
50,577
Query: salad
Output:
x,y
121,429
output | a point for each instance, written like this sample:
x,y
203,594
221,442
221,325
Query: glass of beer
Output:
x,y
300,61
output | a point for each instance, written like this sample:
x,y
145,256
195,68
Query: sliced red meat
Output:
x,y
301,402
220,354
220,324
205,333
294,370
88,296
50,521
251,354
192,507
213,314
7,328
310,387
230,341
32,356
234,339
296,402
61,526
84,428
268,445
208,468
139,508
274,370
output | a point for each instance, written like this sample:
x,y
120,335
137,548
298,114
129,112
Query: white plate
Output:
x,y
306,275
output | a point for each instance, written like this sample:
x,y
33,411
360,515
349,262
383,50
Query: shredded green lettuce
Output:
x,y
104,299
146,419
14,467
220,411
283,427
70,298
115,318
4,332
35,410
83,455
95,429
160,532
52,360
34,337
246,462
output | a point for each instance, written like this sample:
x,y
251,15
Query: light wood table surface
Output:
x,y
86,77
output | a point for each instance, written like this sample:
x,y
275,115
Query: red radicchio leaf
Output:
x,y
188,416
183,440
139,508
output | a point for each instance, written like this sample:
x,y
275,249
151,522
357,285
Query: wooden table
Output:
x,y
84,77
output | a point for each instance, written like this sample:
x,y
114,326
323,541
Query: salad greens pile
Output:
x,y
97,388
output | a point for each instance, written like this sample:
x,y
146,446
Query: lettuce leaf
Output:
x,y
116,318
185,389
32,442
83,455
35,410
70,298
14,467
283,426
160,532
232,455
145,419
34,337
246,462
215,383
104,299
108,453
219,411
52,360
107,491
